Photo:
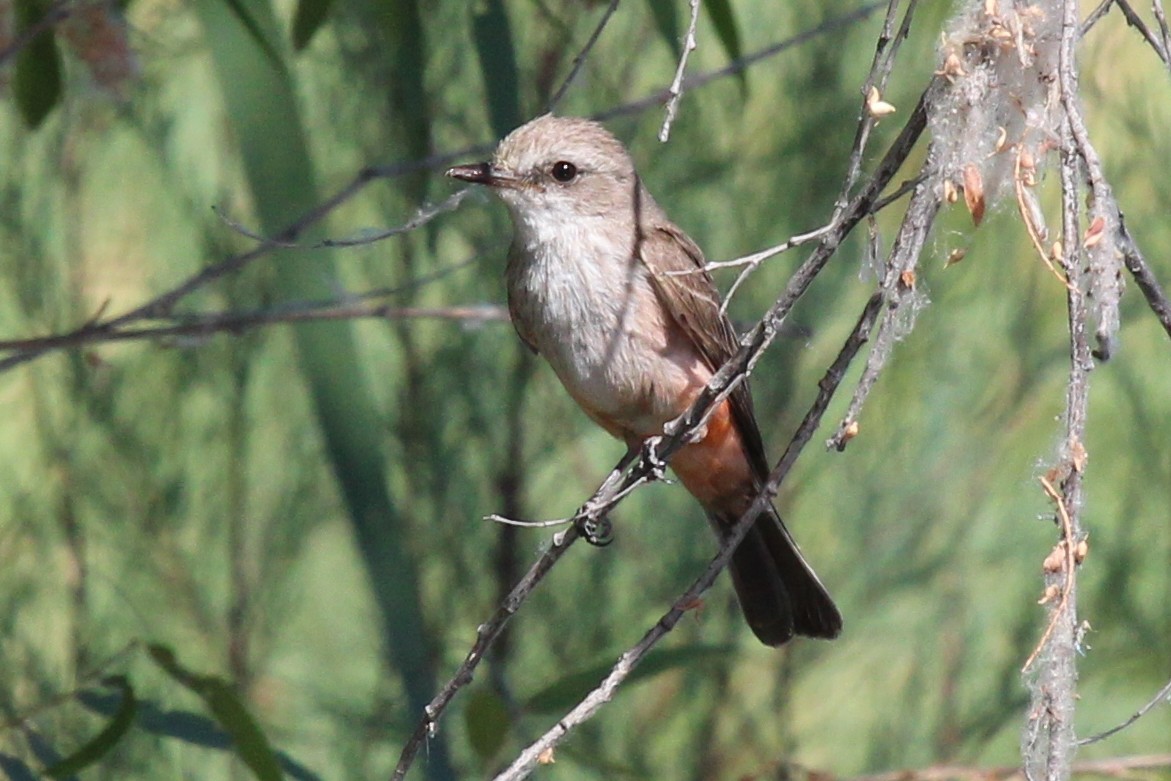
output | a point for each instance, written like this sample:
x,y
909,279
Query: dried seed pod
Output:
x,y
1095,232
974,192
876,106
950,193
1055,561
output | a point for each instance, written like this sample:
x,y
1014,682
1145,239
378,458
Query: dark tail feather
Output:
x,y
779,593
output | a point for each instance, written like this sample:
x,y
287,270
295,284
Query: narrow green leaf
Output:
x,y
100,744
255,31
486,719
566,692
402,26
667,20
251,743
724,21
36,83
15,768
194,729
220,697
307,20
493,38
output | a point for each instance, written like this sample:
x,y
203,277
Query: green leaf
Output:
x,y
569,690
36,84
100,744
493,37
307,20
15,768
729,33
220,697
255,31
194,729
402,26
667,21
487,722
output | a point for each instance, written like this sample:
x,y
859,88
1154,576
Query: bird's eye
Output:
x,y
564,171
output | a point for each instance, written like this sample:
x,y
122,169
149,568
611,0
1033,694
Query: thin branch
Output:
x,y
1137,265
1118,767
1163,697
900,295
1164,29
744,63
490,630
160,308
1094,17
199,325
1136,21
581,57
676,88
485,636
422,216
885,52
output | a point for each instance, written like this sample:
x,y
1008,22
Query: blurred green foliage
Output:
x,y
296,510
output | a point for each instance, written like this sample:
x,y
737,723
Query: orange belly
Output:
x,y
715,470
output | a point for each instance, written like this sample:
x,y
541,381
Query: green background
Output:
x,y
297,510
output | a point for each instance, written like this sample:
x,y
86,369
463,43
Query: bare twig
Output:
x,y
160,308
1137,265
489,631
1163,697
423,216
1094,17
899,293
198,325
1164,29
581,57
485,636
676,88
1117,767
880,69
744,63
1134,20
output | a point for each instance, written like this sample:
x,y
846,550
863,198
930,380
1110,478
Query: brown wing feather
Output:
x,y
694,304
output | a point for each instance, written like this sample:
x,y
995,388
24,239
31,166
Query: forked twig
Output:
x,y
676,88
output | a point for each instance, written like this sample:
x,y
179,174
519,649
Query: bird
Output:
x,y
616,298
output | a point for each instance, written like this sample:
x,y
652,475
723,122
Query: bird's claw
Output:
x,y
598,532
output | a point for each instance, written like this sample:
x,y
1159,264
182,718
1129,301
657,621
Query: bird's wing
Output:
x,y
527,338
689,294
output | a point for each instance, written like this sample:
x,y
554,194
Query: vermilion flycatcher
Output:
x,y
590,289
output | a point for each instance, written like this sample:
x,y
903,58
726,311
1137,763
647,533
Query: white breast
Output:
x,y
591,310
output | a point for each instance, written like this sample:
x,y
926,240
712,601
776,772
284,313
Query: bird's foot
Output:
x,y
594,529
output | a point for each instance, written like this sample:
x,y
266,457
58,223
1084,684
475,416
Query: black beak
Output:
x,y
480,173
